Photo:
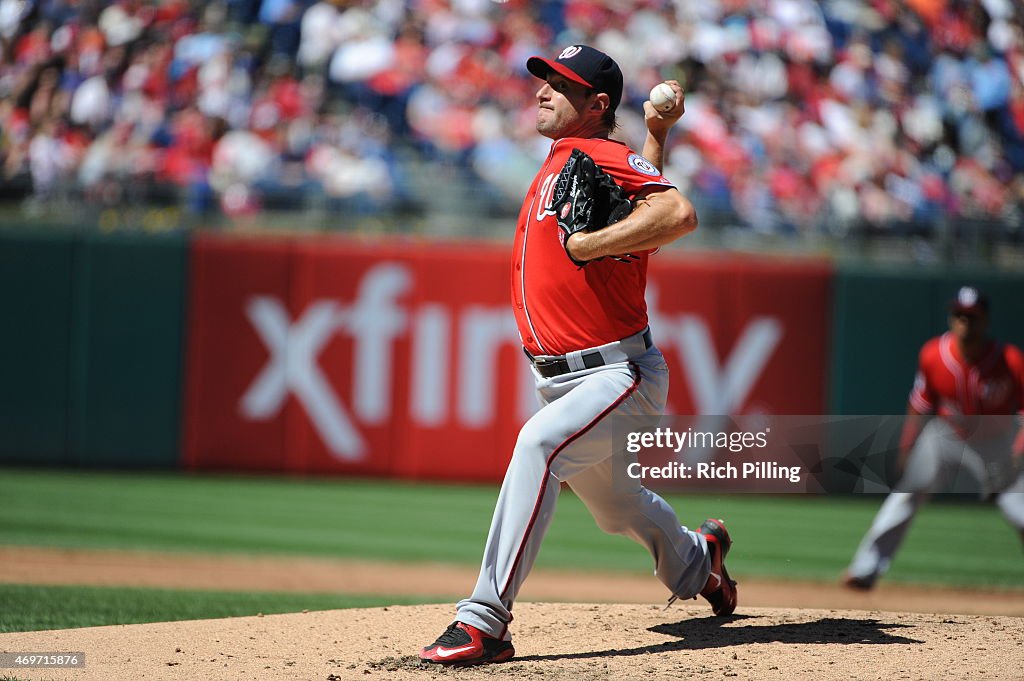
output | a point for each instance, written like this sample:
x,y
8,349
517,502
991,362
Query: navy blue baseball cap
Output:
x,y
584,65
969,300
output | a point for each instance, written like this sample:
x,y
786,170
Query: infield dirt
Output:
x,y
981,636
559,642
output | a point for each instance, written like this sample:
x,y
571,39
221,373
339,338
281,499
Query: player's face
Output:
x,y
968,328
564,109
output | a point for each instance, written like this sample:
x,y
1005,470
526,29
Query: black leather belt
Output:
x,y
549,367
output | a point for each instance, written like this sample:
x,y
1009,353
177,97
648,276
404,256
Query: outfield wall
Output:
x,y
390,357
882,316
334,356
93,349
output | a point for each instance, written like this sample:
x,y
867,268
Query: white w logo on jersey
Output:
x,y
547,190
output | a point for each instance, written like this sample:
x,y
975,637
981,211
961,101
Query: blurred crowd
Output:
x,y
800,115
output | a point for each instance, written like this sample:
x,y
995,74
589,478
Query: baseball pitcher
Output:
x,y
592,217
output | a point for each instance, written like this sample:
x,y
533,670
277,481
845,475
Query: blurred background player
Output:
x,y
969,380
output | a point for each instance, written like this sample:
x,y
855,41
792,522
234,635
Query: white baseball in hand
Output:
x,y
663,97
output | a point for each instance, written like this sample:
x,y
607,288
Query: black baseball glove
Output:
x,y
586,198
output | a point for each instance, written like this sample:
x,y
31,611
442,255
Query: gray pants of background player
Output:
x,y
570,440
937,457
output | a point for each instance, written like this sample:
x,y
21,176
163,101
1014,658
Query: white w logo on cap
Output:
x,y
570,52
967,296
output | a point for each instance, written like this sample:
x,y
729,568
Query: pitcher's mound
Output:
x,y
554,642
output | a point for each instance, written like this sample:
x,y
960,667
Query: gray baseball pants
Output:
x,y
570,440
939,454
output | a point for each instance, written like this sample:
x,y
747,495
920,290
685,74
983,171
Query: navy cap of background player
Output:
x,y
584,65
969,300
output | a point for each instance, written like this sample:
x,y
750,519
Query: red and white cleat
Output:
x,y
720,591
463,644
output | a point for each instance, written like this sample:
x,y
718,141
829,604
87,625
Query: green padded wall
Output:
x,y
35,295
92,347
881,317
126,368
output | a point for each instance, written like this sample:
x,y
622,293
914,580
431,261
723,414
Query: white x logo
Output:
x,y
293,367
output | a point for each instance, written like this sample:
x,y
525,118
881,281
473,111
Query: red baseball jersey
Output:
x,y
948,386
559,307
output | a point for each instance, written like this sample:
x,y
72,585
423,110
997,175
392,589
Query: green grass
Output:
x,y
794,536
35,608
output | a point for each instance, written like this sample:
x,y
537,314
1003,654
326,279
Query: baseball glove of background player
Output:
x,y
586,198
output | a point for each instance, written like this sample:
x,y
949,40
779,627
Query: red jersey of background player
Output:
x,y
559,307
947,385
